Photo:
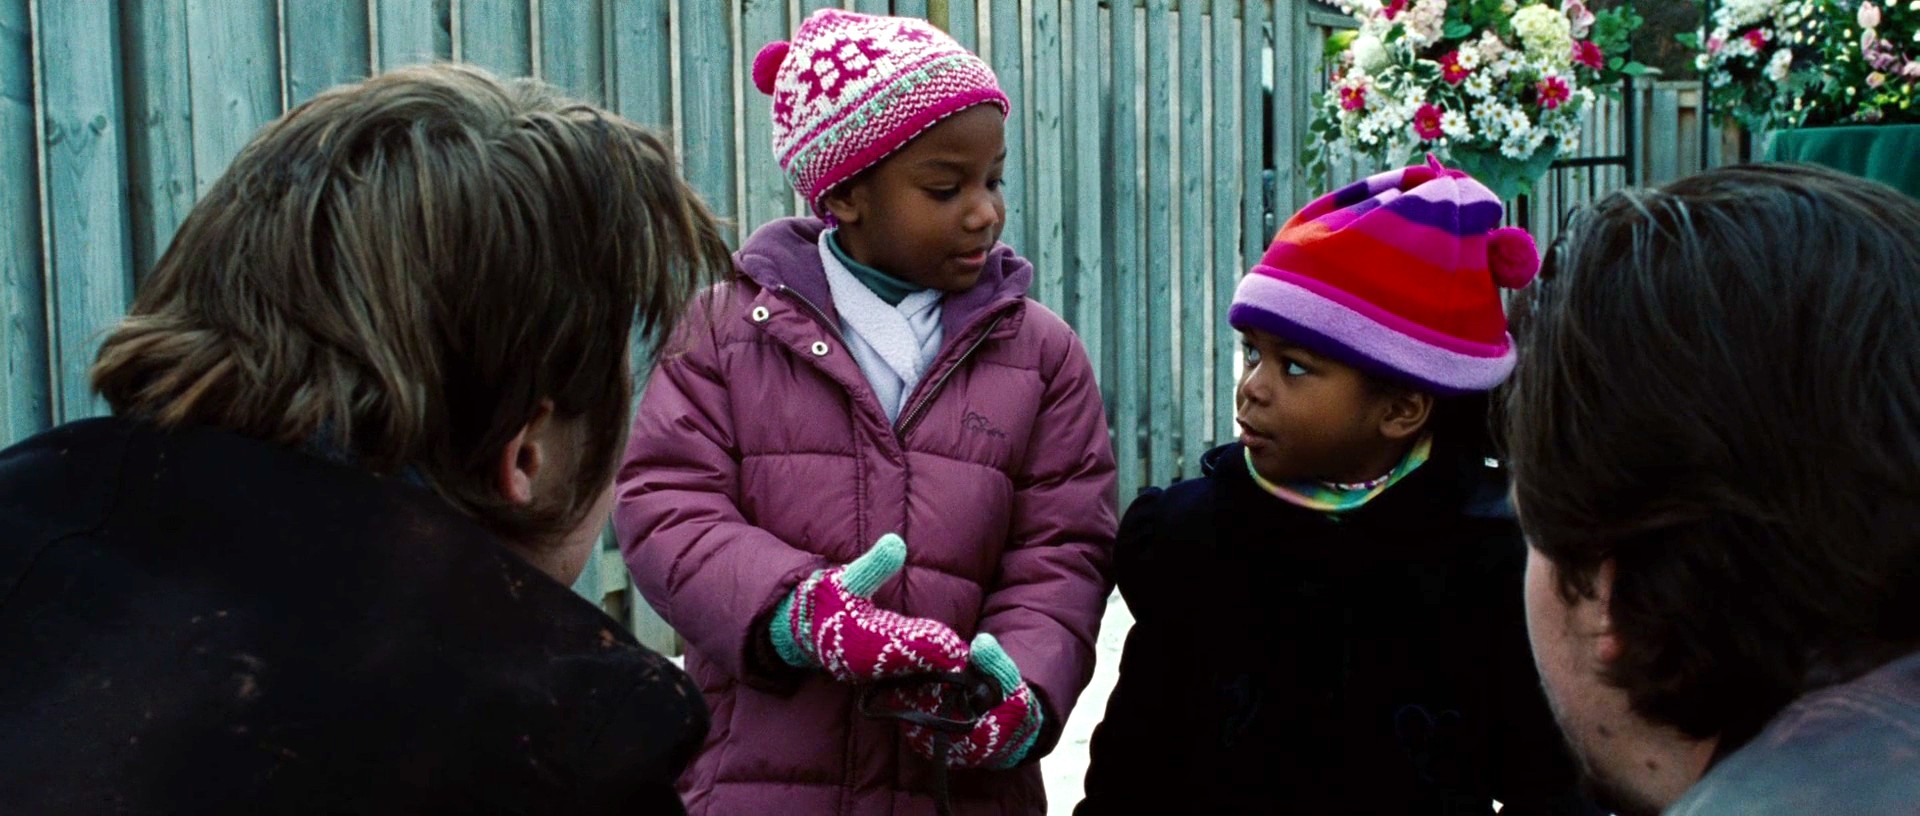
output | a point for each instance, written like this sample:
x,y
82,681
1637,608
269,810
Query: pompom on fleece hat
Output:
x,y
850,89
1397,275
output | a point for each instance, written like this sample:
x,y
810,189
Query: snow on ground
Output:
x,y
1067,765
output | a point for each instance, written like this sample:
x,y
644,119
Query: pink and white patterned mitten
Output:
x,y
830,622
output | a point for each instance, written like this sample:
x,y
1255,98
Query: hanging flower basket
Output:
x,y
1499,88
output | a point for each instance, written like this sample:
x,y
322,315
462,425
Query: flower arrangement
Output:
x,y
1498,88
1776,64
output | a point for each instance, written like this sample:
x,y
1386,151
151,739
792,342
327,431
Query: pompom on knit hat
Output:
x,y
850,89
1397,275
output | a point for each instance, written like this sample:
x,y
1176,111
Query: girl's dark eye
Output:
x,y
1251,354
1295,369
943,193
997,185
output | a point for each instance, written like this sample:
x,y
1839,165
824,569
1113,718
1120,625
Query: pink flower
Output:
x,y
1450,69
1588,54
1912,71
1757,38
1869,16
1553,91
1394,8
1353,98
1426,122
1579,16
1876,79
1714,44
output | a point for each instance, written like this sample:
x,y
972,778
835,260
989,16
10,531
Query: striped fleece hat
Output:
x,y
850,89
1397,275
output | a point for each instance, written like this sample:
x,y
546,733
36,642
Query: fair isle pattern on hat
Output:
x,y
1399,275
851,89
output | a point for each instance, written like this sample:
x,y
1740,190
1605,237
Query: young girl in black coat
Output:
x,y
1329,619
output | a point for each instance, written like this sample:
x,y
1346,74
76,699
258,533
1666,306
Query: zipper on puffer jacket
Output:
x,y
910,417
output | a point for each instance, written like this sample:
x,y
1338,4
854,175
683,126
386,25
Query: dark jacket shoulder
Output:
x,y
195,621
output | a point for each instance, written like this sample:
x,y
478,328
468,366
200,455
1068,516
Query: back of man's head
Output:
x,y
406,269
1719,394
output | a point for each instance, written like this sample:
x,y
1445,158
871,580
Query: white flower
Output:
x,y
1508,7
1469,57
1543,30
1368,53
1868,16
1455,125
1480,84
1780,65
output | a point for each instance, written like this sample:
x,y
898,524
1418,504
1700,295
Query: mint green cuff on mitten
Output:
x,y
781,632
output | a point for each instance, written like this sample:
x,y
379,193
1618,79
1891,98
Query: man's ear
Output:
x,y
1406,414
846,202
524,457
1596,616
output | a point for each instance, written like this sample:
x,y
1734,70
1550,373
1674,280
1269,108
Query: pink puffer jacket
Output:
x,y
760,454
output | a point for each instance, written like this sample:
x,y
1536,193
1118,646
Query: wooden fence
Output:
x,y
1141,134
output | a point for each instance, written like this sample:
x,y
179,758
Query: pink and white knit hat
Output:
x,y
850,89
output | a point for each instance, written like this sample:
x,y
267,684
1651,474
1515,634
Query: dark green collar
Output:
x,y
885,286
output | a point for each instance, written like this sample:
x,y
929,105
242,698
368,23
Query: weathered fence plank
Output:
x,y
26,406
159,105
1124,238
572,50
1005,53
768,194
1047,159
1232,181
1086,301
89,277
707,76
1162,421
234,57
496,35
411,32
327,44
1194,237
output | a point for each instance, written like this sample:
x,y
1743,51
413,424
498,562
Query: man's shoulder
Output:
x,y
1852,748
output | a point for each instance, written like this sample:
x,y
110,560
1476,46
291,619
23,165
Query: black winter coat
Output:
x,y
197,622
1285,662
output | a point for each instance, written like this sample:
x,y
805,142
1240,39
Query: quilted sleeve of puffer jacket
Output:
x,y
710,574
1057,570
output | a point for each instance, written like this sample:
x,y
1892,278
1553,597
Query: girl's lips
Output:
x,y
1252,438
976,258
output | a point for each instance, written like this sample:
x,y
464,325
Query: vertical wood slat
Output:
x,y
963,23
1253,44
26,404
1191,334
1048,155
808,7
496,35
707,77
910,8
768,194
234,56
1124,236
872,6
643,87
572,48
1292,78
1162,423
159,105
1086,206
1231,182
1663,158
410,31
1006,54
89,249
326,46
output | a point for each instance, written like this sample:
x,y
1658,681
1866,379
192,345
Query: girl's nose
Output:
x,y
1251,389
983,210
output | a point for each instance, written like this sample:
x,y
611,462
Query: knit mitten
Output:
x,y
830,622
1001,737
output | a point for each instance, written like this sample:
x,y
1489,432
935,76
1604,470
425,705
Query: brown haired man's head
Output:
x,y
433,273
1717,461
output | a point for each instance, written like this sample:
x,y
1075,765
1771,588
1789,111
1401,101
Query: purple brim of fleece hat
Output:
x,y
1299,311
